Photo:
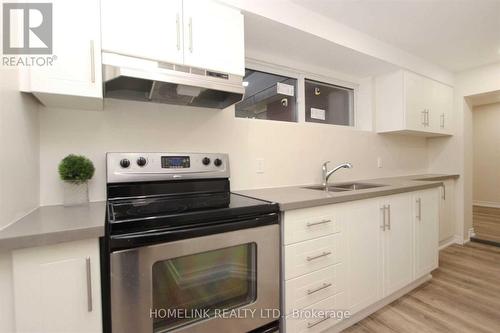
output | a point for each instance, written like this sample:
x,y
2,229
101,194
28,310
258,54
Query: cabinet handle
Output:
x,y
324,286
442,120
92,62
312,324
419,210
427,118
312,224
191,34
383,218
89,284
324,254
388,217
444,192
178,27
424,117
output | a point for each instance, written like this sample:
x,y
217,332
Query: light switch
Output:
x,y
260,165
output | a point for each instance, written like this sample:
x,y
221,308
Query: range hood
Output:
x,y
151,81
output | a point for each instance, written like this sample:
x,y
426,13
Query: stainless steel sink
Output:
x,y
329,188
344,187
357,186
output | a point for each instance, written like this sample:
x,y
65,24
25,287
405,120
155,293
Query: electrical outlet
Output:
x,y
379,162
260,165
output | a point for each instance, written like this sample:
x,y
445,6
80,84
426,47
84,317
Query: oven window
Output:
x,y
190,288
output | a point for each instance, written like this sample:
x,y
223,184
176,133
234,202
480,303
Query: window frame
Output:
x,y
352,115
279,72
301,76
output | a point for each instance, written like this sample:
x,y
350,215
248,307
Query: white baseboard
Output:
x,y
491,204
377,306
452,240
471,233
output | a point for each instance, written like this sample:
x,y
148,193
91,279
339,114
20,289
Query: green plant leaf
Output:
x,y
76,169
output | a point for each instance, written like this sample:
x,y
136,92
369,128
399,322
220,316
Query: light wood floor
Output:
x,y
463,296
486,223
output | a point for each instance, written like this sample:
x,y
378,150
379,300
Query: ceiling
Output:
x,y
455,34
274,39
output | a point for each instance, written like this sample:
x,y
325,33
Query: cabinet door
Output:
x,y
364,261
213,37
77,48
447,211
147,29
417,102
426,209
57,288
398,242
441,108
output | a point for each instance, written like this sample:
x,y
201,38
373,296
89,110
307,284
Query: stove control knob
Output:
x,y
217,162
205,161
124,163
141,161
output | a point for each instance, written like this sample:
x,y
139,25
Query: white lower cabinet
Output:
x,y
447,227
368,250
426,219
364,257
57,288
397,242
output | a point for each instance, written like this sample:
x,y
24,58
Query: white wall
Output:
x,y
19,150
292,152
455,154
486,162
291,14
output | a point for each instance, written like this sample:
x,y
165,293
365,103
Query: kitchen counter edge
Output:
x,y
49,225
298,197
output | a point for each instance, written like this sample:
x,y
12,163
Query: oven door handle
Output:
x,y
132,240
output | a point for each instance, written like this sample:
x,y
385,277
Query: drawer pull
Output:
x,y
312,324
312,224
324,286
324,254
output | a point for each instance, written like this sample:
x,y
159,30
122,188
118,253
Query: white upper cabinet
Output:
x,y
442,108
203,34
75,78
148,29
214,37
409,103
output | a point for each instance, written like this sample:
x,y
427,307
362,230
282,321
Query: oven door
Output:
x,y
191,285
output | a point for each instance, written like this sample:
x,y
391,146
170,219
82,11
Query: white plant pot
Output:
x,y
76,194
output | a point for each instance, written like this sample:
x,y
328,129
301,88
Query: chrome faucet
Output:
x,y
327,174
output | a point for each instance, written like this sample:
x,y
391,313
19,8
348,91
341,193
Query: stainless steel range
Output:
x,y
184,254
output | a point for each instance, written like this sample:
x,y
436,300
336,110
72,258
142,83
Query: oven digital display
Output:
x,y
175,162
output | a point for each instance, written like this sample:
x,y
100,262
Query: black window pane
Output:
x,y
268,96
328,104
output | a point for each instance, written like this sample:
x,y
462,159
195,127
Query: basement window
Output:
x,y
268,96
329,104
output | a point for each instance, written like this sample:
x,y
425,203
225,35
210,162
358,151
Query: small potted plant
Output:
x,y
76,171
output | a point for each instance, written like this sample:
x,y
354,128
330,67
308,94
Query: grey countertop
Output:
x,y
296,197
55,224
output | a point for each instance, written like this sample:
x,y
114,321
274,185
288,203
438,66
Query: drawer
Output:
x,y
328,312
311,288
312,255
303,228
